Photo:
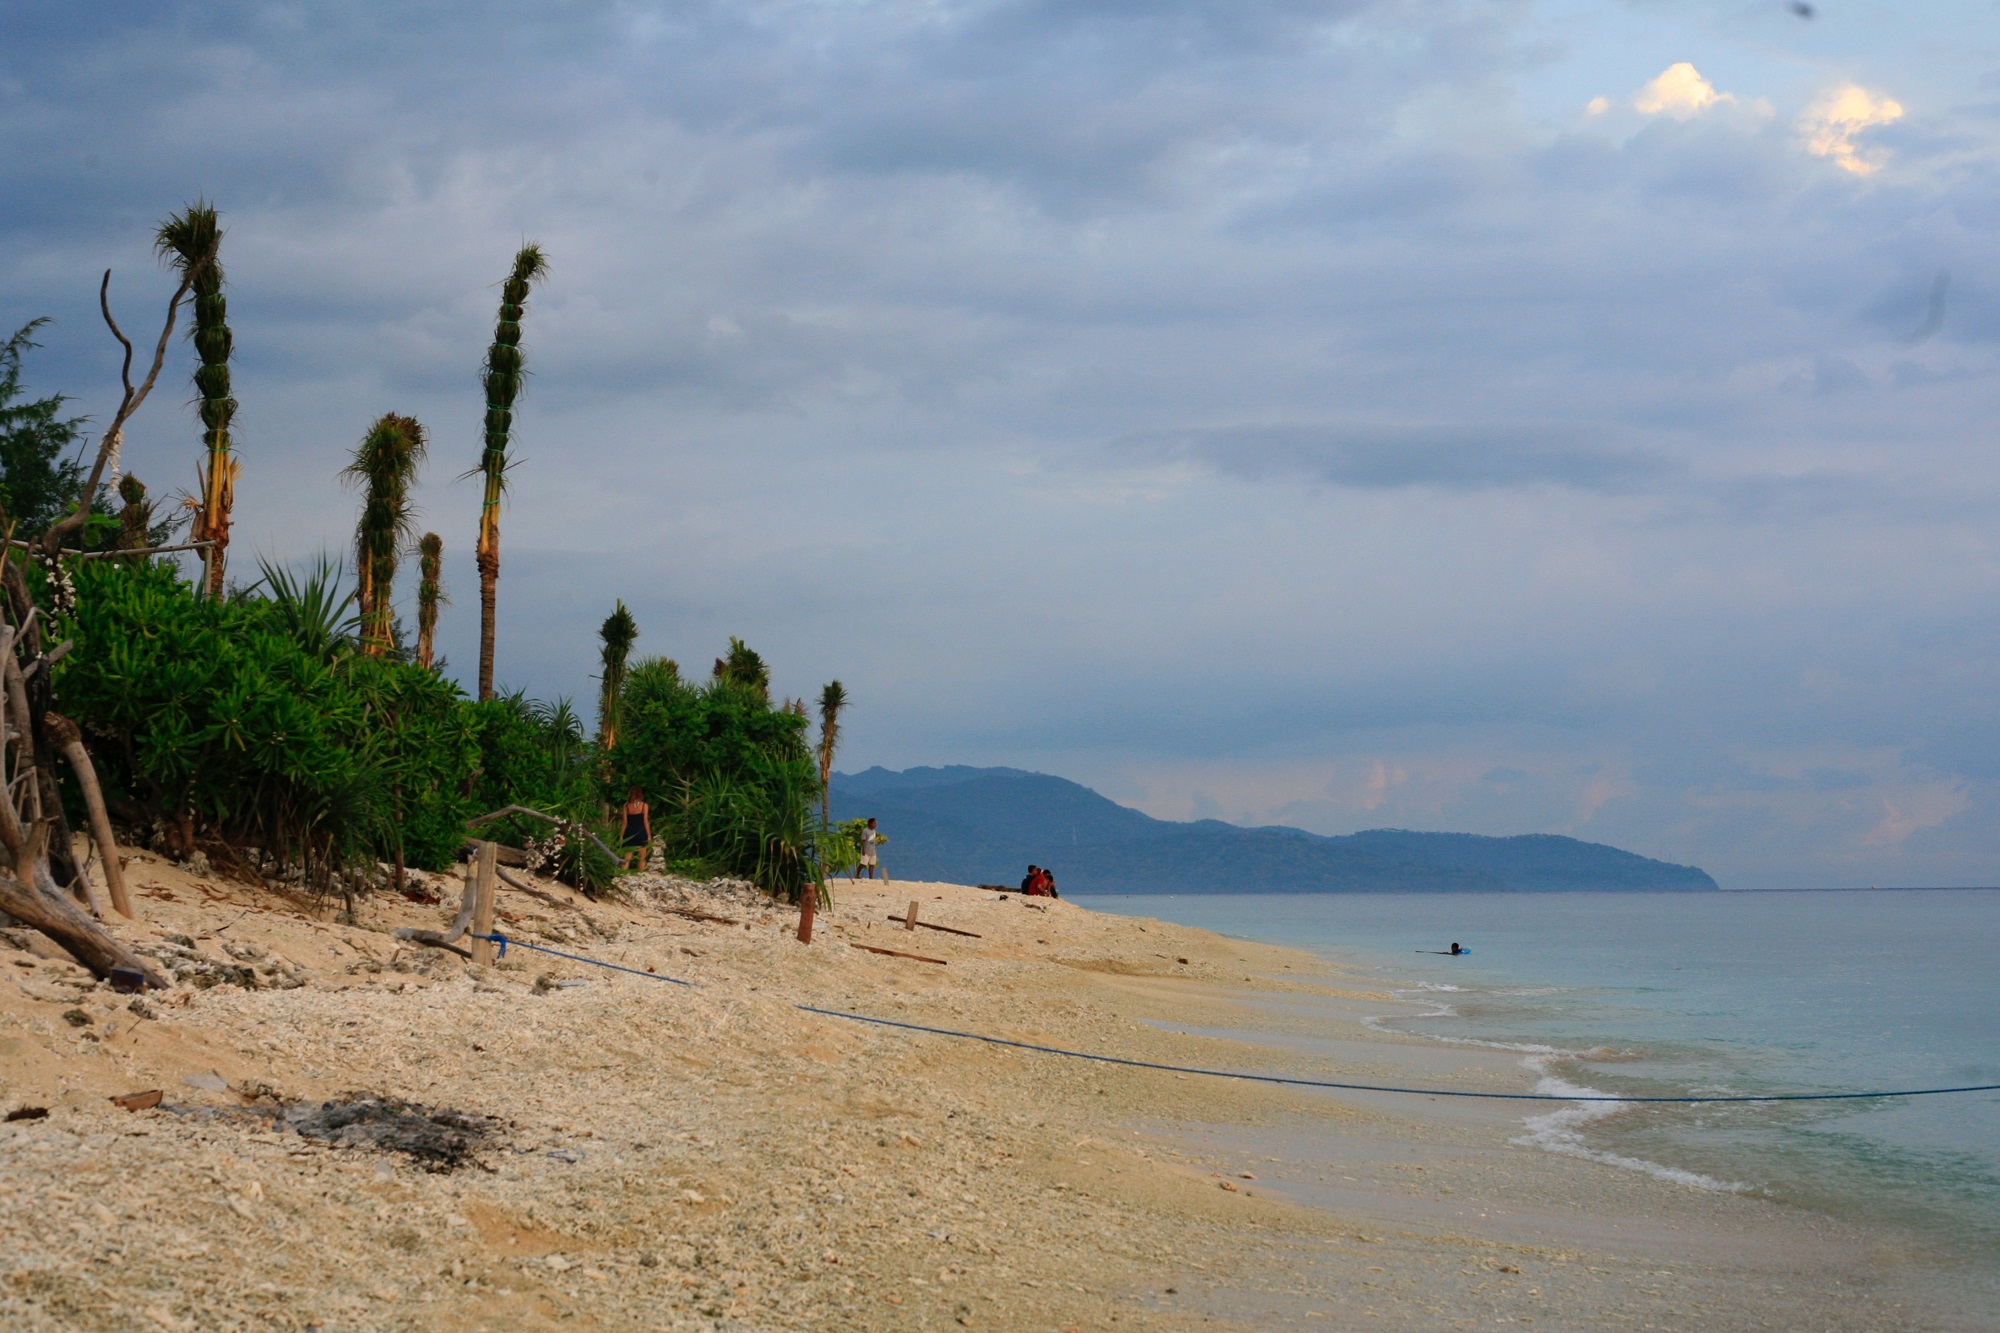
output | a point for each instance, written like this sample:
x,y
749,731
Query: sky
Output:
x,y
1507,417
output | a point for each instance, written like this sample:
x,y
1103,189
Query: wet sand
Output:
x,y
712,1157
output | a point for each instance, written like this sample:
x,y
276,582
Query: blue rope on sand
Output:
x,y
503,942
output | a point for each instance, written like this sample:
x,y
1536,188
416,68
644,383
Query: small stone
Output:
x,y
208,1081
143,1009
76,1018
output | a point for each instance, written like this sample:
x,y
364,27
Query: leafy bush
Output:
x,y
217,716
254,719
733,774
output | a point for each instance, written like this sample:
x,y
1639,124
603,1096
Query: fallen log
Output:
x,y
48,909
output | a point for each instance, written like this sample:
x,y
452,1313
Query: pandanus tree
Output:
x,y
385,466
503,377
430,594
832,699
618,633
191,241
745,666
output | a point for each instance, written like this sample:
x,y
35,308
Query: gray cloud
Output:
x,y
1449,428
1377,457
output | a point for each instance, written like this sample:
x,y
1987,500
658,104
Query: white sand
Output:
x,y
711,1157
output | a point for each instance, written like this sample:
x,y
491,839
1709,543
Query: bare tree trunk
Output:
x,y
489,580
70,741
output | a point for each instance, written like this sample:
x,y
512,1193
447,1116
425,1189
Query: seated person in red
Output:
x,y
1029,880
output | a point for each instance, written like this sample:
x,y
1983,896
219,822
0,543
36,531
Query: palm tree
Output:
x,y
503,378
385,465
618,632
191,241
430,593
832,699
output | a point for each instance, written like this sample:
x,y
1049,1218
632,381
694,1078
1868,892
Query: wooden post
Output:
x,y
808,904
483,872
910,921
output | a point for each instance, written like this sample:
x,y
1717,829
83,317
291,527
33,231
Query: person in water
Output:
x,y
638,828
1455,948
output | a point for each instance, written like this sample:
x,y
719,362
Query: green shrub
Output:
x,y
211,716
731,780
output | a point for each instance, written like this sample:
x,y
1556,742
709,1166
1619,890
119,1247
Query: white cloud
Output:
x,y
1680,91
1830,125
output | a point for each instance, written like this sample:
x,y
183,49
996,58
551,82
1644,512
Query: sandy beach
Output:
x,y
633,1154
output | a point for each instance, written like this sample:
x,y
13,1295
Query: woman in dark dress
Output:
x,y
638,828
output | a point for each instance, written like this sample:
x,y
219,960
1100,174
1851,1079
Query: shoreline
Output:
x,y
711,1157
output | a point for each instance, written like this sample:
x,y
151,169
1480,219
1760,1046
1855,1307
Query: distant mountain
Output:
x,y
984,825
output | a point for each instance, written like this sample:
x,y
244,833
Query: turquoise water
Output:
x,y
1674,993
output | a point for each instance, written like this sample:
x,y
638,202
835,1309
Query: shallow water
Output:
x,y
1648,994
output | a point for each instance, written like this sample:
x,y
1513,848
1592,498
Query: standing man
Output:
x,y
869,840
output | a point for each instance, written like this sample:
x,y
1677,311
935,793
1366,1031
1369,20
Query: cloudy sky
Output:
x,y
1504,417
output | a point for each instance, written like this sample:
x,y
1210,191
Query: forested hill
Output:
x,y
984,825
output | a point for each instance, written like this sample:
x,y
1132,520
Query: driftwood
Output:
x,y
898,953
534,892
421,937
443,939
694,914
70,741
134,553
32,827
906,923
545,818
48,909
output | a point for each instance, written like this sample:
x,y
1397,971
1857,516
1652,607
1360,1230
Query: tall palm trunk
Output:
x,y
430,593
831,700
191,240
503,377
385,464
619,632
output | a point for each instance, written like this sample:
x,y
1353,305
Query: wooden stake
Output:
x,y
910,921
808,904
483,873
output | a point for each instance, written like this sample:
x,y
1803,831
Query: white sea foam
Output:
x,y
1438,1009
1561,1131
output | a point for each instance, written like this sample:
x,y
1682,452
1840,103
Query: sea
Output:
x,y
1730,993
